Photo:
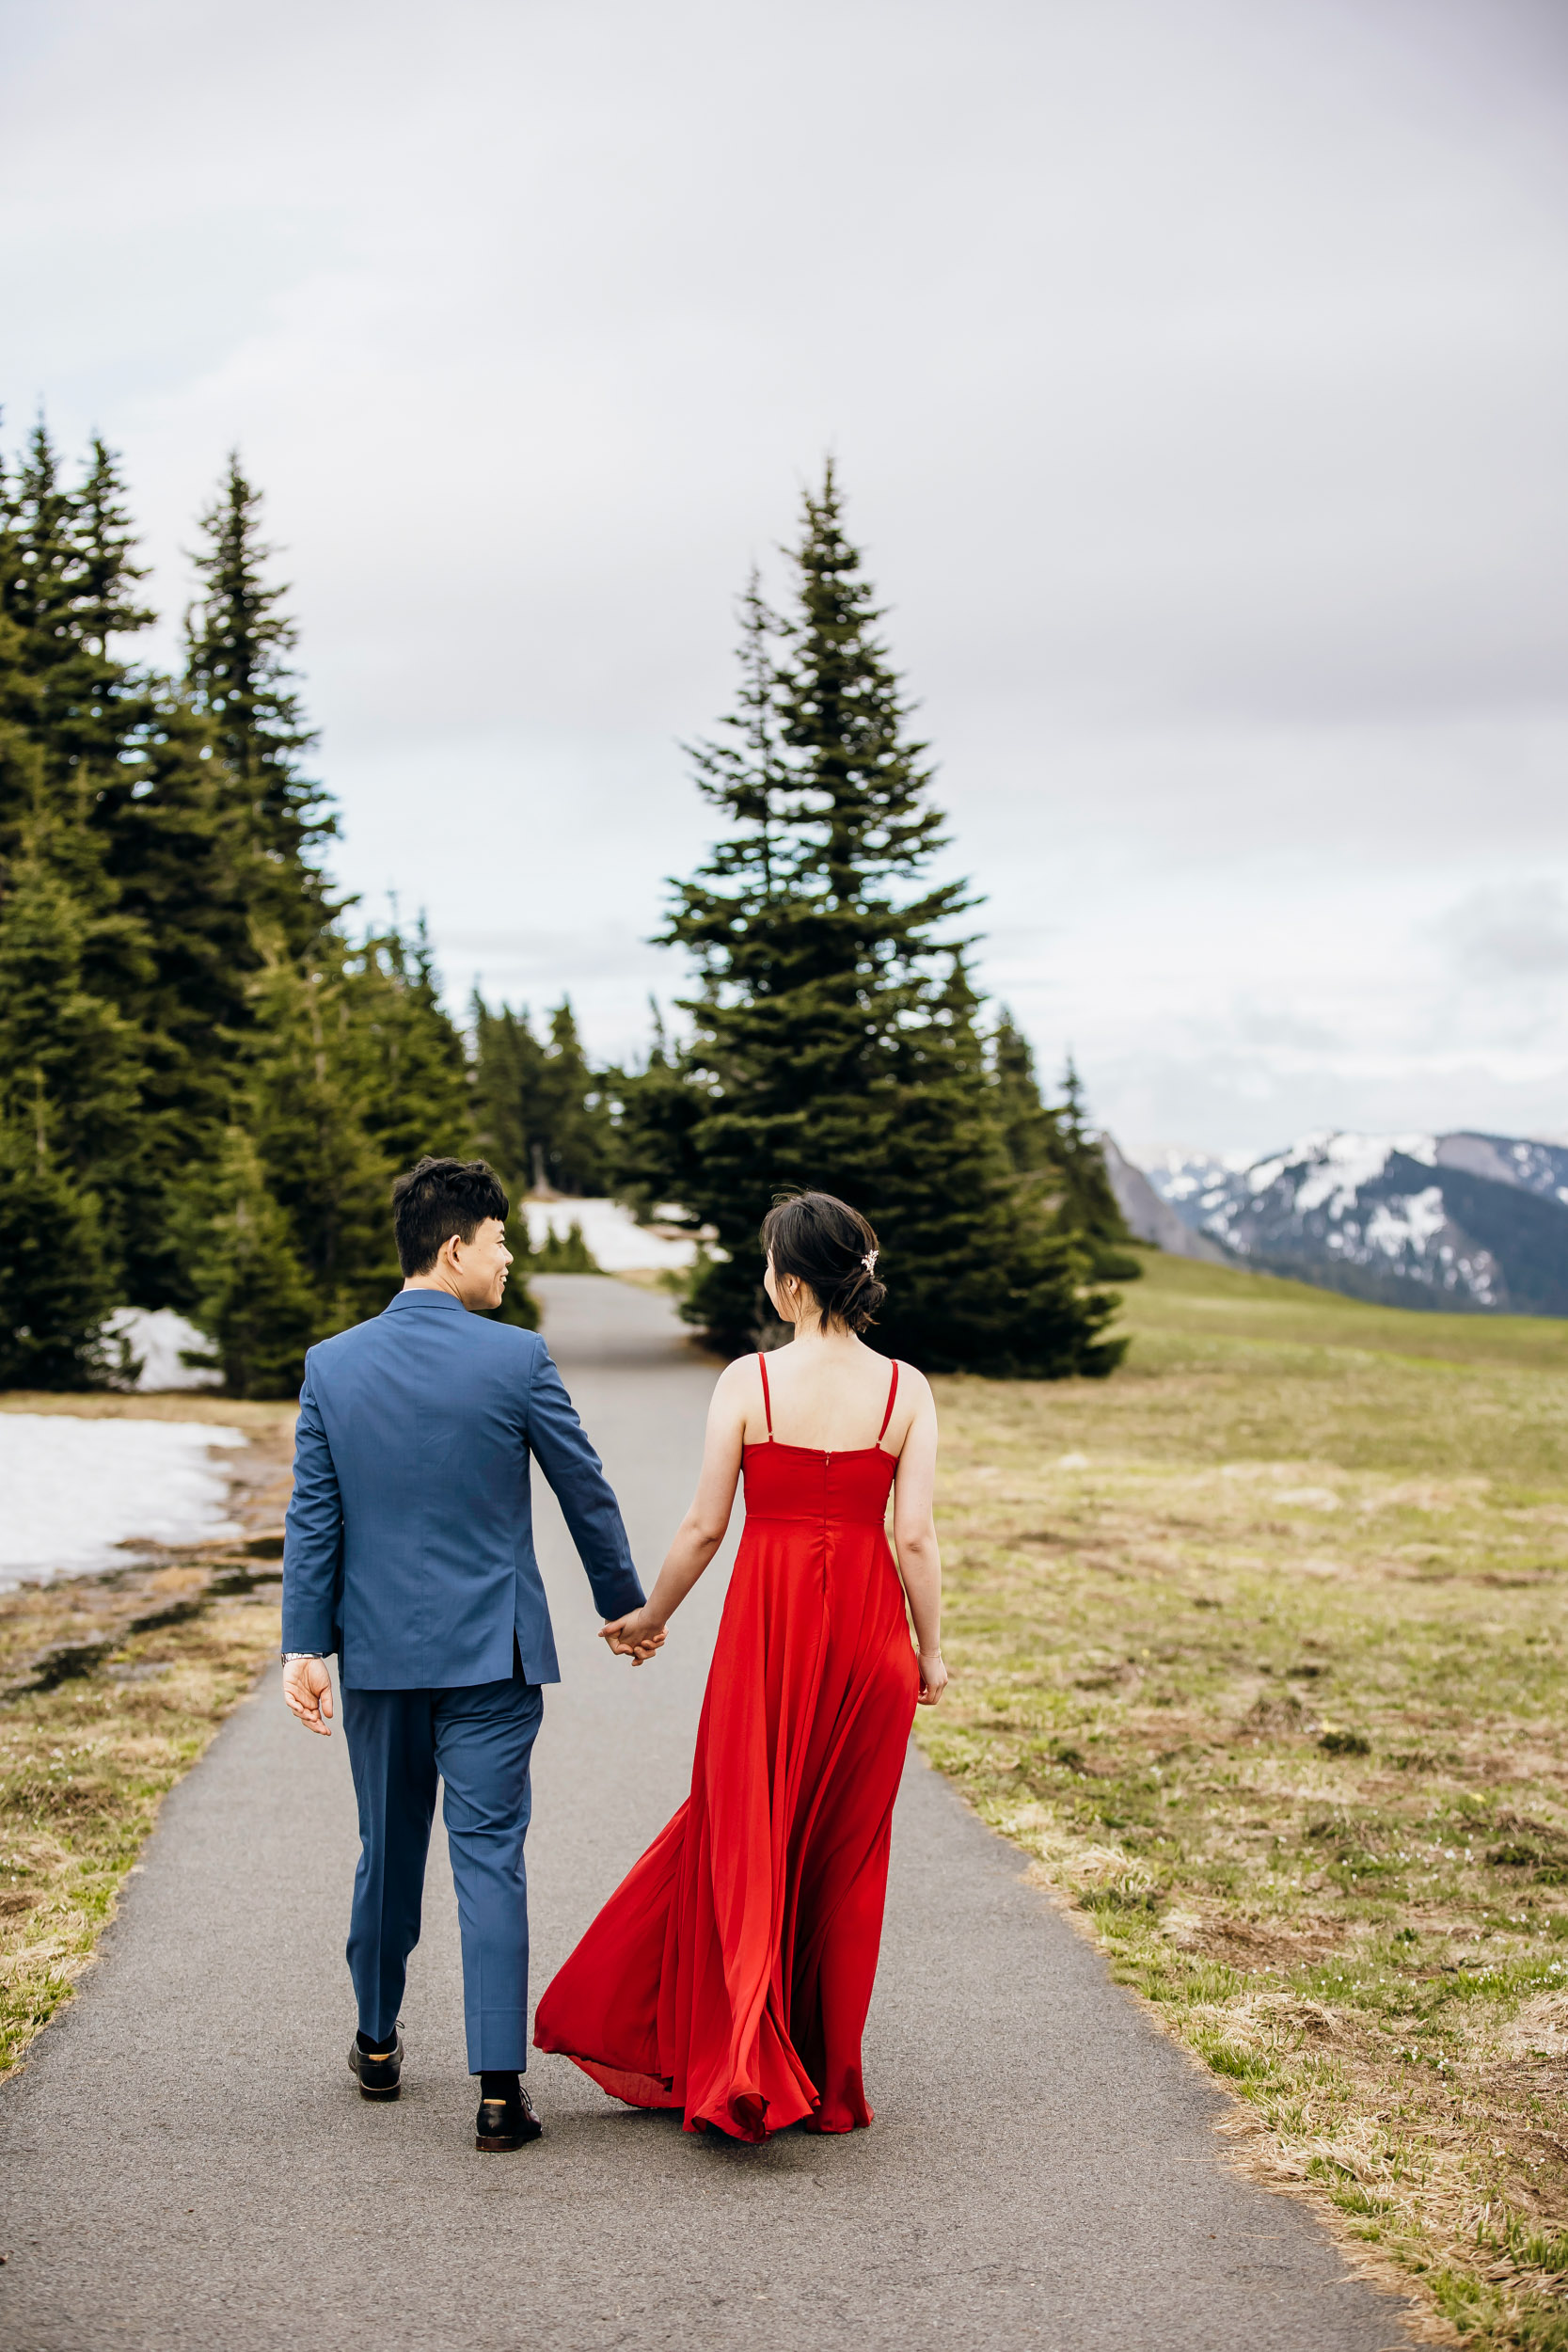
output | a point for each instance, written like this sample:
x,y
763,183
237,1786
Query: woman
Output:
x,y
729,1975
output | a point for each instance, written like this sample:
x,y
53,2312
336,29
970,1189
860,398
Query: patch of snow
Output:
x,y
1408,1222
157,1337
82,1493
619,1244
1266,1172
1345,1163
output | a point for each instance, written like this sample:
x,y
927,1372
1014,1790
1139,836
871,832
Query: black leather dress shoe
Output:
x,y
503,2123
380,2072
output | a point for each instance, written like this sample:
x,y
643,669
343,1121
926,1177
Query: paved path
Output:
x,y
187,2162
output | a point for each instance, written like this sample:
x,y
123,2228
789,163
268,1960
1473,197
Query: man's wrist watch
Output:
x,y
288,1656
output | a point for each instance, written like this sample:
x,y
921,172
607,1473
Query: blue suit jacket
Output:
x,y
409,1542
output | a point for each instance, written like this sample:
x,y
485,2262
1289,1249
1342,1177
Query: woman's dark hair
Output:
x,y
438,1199
831,1248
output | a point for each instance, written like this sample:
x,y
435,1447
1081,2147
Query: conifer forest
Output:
x,y
212,1066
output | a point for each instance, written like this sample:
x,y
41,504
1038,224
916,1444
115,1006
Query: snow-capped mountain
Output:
x,y
1457,1220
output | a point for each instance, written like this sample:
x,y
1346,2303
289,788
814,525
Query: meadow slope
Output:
x,y
1259,1651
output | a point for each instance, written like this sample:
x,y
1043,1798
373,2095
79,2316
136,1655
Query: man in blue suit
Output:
x,y
409,1551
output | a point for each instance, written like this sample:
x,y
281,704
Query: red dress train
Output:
x,y
729,1973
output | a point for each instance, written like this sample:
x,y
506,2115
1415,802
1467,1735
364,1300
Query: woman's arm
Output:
x,y
914,1540
703,1530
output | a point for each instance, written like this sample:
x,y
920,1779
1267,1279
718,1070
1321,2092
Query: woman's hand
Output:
x,y
636,1636
933,1677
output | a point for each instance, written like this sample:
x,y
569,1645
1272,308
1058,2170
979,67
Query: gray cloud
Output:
x,y
1510,934
1197,378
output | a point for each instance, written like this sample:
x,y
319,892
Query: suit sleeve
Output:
x,y
559,1445
312,1535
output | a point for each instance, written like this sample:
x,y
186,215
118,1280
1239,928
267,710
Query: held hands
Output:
x,y
636,1636
933,1677
307,1693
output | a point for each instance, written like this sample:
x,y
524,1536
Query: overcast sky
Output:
x,y
1197,374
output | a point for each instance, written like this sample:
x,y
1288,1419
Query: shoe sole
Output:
x,y
502,2144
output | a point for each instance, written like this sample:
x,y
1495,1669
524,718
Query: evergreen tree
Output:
x,y
1028,1128
410,1072
70,1065
1056,1145
254,1299
655,1110
57,1281
508,1082
21,764
181,868
320,1162
834,1038
355,1073
1087,1204
74,591
238,675
544,1117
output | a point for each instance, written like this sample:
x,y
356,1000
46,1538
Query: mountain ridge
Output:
x,y
1464,1220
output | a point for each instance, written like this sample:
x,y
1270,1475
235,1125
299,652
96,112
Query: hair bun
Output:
x,y
831,1248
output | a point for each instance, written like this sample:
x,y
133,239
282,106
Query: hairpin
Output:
x,y
870,1261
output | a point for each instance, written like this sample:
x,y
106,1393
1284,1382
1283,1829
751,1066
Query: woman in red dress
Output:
x,y
729,1973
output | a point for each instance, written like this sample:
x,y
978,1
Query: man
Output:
x,y
409,1551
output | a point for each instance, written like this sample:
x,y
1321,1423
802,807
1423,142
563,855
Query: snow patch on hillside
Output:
x,y
82,1495
618,1243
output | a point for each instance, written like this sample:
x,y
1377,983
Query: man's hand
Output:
x,y
634,1636
307,1693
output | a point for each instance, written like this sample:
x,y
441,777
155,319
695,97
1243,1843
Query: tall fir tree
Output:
x,y
182,870
253,1298
834,1040
1058,1146
238,674
1087,1205
70,1064
57,1282
654,1108
544,1117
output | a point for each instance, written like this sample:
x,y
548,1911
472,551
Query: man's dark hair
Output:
x,y
438,1199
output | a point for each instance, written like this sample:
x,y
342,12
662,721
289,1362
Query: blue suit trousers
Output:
x,y
478,1740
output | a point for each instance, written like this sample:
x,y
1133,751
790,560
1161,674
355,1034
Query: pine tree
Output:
x,y
76,591
834,1039
254,1299
70,1065
655,1110
544,1117
1087,1205
410,1072
507,1081
182,870
57,1281
22,763
238,675
1028,1128
320,1162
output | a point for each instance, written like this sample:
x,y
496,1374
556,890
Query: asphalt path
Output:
x,y
187,2163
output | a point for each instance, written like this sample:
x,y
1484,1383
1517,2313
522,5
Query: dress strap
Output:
x,y
767,1400
891,1393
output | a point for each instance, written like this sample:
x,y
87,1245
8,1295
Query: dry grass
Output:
x,y
110,1689
1258,1650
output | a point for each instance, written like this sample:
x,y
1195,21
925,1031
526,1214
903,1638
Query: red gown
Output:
x,y
729,1973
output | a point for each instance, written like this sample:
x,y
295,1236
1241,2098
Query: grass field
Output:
x,y
1259,1651
110,1689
